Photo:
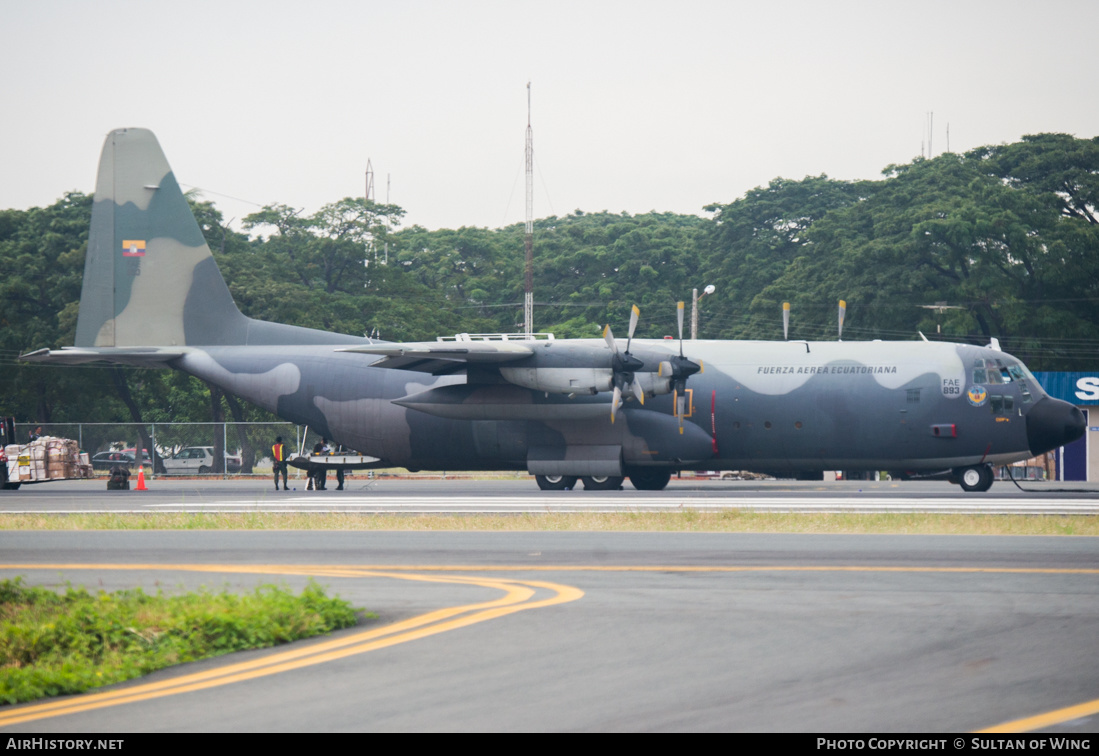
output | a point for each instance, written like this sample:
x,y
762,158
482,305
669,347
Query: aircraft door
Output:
x,y
496,439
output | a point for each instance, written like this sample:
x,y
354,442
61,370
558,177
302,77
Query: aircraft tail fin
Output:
x,y
149,276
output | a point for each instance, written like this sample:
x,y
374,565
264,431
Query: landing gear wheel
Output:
x,y
975,478
11,486
602,483
650,480
556,482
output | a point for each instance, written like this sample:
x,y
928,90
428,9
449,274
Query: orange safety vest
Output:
x,y
279,451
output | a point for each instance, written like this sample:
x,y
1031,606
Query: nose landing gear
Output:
x,y
973,478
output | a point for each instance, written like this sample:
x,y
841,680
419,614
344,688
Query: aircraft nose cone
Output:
x,y
1052,423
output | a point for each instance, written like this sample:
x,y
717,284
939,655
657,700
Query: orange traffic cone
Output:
x,y
141,480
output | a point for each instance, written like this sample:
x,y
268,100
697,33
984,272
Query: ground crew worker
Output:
x,y
320,472
278,453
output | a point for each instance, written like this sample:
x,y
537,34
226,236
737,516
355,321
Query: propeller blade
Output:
x,y
617,400
843,312
635,315
786,321
638,391
609,337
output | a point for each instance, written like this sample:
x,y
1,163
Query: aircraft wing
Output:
x,y
441,357
134,356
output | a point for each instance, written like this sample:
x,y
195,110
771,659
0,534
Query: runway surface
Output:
x,y
549,631
521,495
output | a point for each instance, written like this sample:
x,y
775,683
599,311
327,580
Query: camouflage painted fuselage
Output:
x,y
780,407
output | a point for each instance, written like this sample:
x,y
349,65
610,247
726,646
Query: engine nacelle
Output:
x,y
560,380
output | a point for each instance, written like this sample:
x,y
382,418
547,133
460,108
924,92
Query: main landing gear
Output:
x,y
556,482
650,480
973,478
642,480
602,483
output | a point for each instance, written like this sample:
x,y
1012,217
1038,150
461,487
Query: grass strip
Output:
x,y
686,520
61,643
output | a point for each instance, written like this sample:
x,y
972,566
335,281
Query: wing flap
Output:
x,y
440,358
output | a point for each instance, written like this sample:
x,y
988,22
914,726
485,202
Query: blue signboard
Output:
x,y
1076,388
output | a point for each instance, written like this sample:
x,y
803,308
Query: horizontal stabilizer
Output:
x,y
149,357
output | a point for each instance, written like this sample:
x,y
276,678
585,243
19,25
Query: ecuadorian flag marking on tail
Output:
x,y
133,248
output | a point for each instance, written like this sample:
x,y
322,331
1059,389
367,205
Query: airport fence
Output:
x,y
237,448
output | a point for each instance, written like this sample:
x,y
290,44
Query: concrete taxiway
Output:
x,y
521,495
537,631
609,631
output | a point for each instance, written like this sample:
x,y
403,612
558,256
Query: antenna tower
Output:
x,y
528,241
387,229
369,199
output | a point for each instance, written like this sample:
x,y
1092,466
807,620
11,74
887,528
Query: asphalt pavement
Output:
x,y
552,631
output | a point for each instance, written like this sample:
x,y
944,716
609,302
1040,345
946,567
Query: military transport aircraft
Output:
x,y
597,410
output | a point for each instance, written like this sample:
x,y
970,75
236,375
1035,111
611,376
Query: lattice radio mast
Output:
x,y
528,242
369,199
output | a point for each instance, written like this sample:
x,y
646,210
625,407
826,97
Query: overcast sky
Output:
x,y
637,106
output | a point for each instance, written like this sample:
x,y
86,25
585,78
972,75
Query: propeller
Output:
x,y
786,321
624,366
680,369
843,312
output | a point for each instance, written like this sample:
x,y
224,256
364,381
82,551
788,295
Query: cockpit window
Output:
x,y
995,372
1024,370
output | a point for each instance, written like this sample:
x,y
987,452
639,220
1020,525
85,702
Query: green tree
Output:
x,y
945,230
42,258
331,249
1057,164
754,241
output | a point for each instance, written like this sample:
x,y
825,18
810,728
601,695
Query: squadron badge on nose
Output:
x,y
977,395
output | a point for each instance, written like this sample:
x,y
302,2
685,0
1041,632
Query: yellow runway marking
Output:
x,y
356,569
712,568
1050,718
517,597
